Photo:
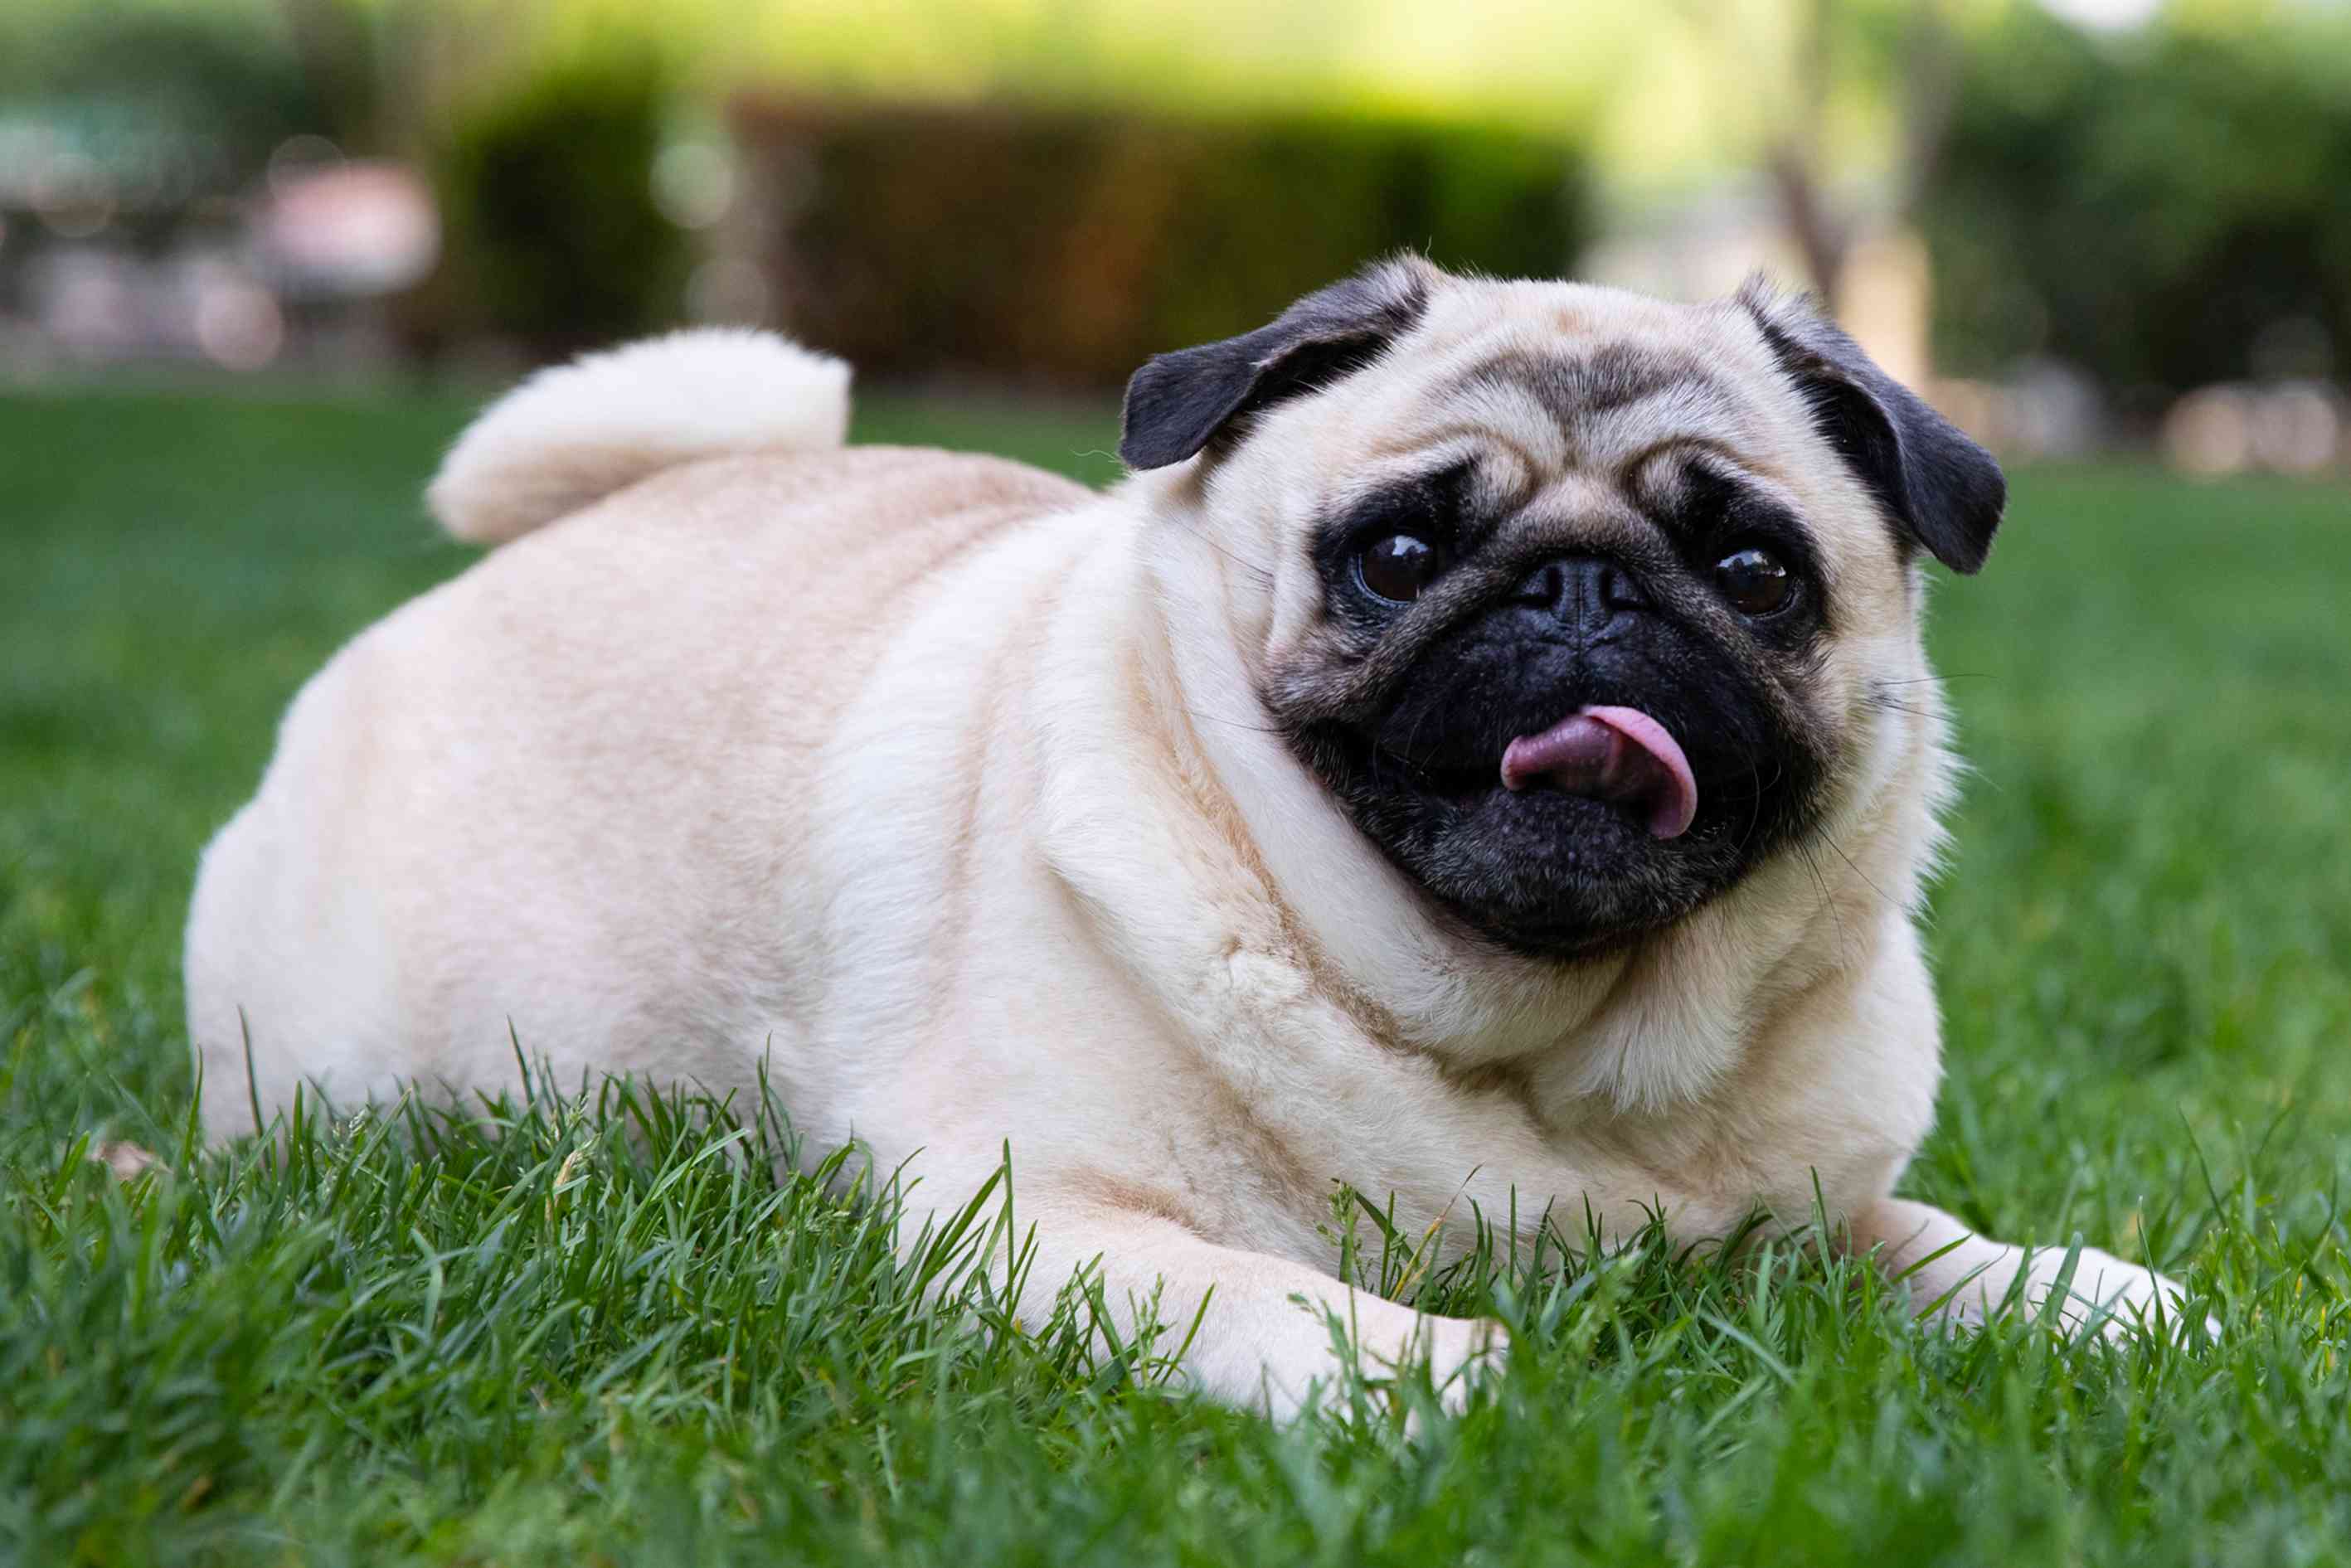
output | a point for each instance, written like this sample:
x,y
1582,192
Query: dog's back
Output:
x,y
630,700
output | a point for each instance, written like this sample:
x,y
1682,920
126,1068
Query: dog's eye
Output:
x,y
1398,567
1754,582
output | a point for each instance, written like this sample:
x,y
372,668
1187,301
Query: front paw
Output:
x,y
2101,1292
1462,1354
1455,1355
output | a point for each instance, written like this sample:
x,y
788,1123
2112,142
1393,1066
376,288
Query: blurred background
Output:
x,y
2082,224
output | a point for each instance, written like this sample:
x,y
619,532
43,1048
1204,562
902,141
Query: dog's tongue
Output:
x,y
1610,754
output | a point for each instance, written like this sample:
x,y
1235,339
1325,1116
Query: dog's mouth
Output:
x,y
1617,755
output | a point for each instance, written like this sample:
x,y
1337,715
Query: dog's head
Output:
x,y
1581,604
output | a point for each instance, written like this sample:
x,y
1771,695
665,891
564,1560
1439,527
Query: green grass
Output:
x,y
577,1343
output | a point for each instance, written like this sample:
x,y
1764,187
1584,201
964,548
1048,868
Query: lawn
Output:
x,y
575,1343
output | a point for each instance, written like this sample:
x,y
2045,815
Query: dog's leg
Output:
x,y
1266,1338
1942,1260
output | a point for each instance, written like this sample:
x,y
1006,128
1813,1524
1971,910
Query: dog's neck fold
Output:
x,y
1176,722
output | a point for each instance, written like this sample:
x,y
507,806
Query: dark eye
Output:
x,y
1398,567
1754,582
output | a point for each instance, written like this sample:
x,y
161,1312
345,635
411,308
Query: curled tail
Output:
x,y
571,436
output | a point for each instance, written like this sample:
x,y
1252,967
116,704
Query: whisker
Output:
x,y
1859,873
1755,801
1263,574
1828,900
1235,723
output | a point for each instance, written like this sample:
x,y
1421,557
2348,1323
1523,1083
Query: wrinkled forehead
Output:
x,y
1571,379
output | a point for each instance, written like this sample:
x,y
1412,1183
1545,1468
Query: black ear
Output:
x,y
1178,402
1940,490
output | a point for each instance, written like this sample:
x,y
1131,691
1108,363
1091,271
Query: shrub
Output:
x,y
2146,212
553,235
1067,247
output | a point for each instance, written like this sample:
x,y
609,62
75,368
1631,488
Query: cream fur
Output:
x,y
575,433
941,787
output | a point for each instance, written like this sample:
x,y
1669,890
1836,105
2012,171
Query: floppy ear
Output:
x,y
1178,402
1940,489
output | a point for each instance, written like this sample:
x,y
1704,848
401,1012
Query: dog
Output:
x,y
1483,754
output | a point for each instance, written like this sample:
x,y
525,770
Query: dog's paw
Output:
x,y
2116,1300
1386,1363
1434,1368
1462,1354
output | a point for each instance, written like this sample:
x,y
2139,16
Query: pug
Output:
x,y
1483,754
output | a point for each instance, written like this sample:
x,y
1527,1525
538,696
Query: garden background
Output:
x,y
259,261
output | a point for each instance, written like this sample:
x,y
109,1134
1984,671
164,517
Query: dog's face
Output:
x,y
1581,605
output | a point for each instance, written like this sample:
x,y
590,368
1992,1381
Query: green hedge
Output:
x,y
2149,213
554,238
1068,248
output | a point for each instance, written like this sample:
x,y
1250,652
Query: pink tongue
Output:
x,y
1610,754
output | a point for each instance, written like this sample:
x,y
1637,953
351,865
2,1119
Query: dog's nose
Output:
x,y
1584,592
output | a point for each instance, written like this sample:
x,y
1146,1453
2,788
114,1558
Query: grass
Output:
x,y
579,1343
